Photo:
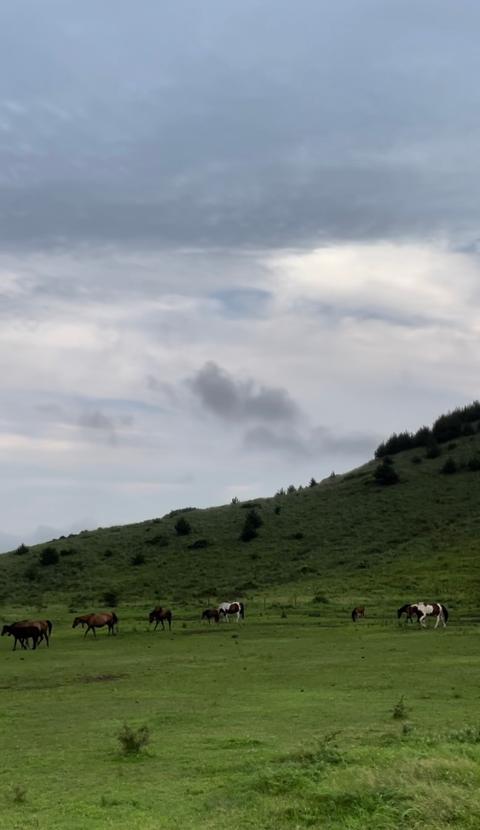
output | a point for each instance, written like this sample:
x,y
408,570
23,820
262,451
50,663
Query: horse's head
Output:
x,y
5,630
77,621
151,616
205,614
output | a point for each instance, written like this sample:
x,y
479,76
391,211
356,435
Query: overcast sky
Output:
x,y
239,245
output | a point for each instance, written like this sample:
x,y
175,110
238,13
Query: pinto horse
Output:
x,y
421,611
211,614
358,612
23,631
160,614
93,621
228,609
435,609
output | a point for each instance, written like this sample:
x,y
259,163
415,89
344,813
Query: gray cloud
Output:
x,y
240,400
242,124
314,443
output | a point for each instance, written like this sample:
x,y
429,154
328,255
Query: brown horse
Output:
x,y
23,631
211,614
45,627
93,621
358,612
160,614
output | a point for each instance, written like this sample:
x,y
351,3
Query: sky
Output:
x,y
239,246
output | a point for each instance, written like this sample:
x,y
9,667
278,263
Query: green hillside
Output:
x,y
347,539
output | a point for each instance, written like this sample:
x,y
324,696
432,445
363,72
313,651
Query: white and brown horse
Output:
x,y
422,610
229,609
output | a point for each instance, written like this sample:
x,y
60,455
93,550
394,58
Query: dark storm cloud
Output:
x,y
240,400
232,124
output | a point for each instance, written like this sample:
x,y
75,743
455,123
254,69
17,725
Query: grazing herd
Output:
x,y
38,630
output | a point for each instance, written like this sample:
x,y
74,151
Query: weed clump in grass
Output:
x,y
467,735
19,794
400,710
133,741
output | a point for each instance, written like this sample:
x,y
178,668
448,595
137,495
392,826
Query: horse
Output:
x,y
23,631
93,621
160,614
358,612
229,608
211,614
45,628
410,612
435,609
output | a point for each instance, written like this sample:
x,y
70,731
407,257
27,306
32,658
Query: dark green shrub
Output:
x,y
21,550
234,500
291,489
312,482
110,598
137,560
449,467
182,527
31,573
49,556
277,509
133,741
386,475
247,534
199,544
474,464
416,459
432,450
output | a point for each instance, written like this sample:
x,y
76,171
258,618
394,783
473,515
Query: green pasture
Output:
x,y
285,721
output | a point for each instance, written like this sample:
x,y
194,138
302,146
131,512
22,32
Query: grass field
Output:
x,y
282,722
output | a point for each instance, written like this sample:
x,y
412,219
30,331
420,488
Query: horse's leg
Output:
x,y
422,620
163,626
156,624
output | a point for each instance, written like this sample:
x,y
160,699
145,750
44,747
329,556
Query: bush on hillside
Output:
x,y
21,550
110,598
433,450
182,527
137,560
291,489
49,556
312,482
474,464
385,474
199,544
252,522
449,467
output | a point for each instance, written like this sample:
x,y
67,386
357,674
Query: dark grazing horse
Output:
x,y
160,614
93,621
45,627
211,614
411,612
358,612
23,632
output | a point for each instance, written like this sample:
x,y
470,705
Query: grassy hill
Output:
x,y
345,540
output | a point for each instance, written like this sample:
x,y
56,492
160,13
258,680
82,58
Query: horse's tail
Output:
x,y
354,615
445,612
49,626
242,610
